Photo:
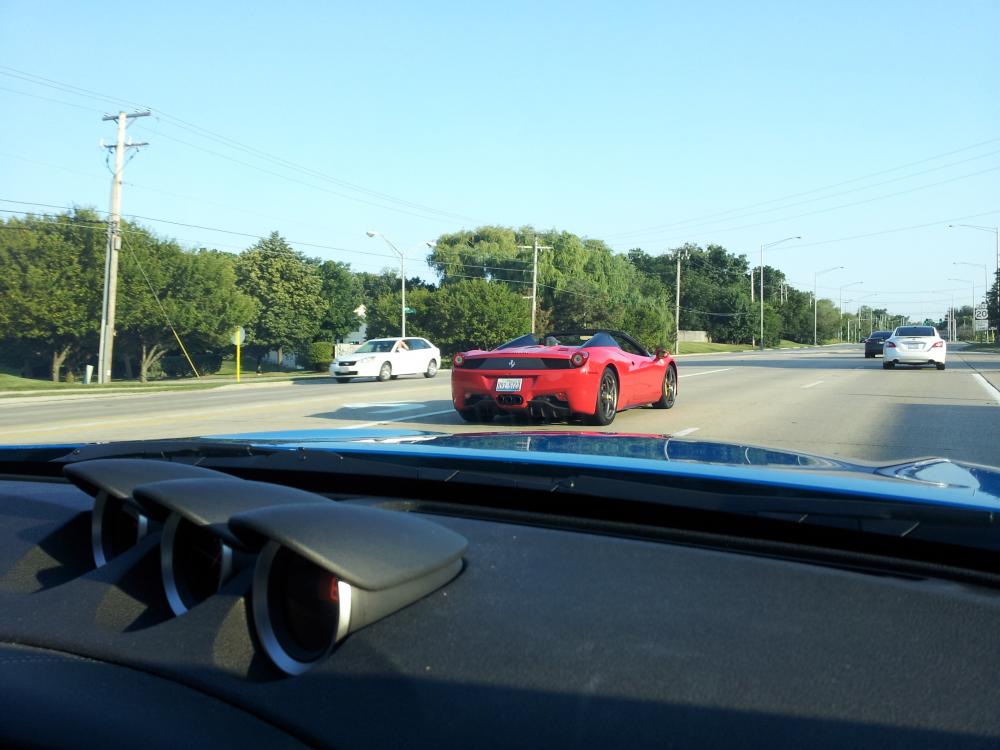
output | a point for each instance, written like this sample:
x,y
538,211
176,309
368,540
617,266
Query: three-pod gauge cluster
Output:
x,y
321,569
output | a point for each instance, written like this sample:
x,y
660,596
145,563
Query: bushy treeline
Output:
x,y
52,267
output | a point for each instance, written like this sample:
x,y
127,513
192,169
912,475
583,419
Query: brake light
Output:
x,y
890,345
579,358
458,360
937,344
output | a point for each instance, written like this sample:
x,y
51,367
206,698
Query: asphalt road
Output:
x,y
830,401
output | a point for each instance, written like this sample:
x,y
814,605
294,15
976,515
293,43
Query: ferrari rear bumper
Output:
x,y
550,394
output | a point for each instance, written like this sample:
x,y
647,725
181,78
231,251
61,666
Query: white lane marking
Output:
x,y
682,433
397,419
812,384
385,407
990,388
707,372
173,416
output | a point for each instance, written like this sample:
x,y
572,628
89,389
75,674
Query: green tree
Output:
x,y
289,293
384,314
827,320
341,295
50,281
476,314
163,289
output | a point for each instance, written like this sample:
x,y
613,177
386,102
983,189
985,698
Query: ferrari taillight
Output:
x,y
578,359
458,360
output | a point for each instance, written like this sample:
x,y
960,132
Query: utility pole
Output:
x,y
753,339
114,245
679,255
535,247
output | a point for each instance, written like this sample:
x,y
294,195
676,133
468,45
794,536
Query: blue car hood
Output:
x,y
927,480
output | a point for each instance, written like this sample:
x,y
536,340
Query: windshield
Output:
x,y
915,331
377,345
659,219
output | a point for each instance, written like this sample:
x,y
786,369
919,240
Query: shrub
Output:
x,y
177,366
320,355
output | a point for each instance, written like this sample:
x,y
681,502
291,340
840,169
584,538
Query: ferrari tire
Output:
x,y
607,399
385,372
475,415
668,391
432,369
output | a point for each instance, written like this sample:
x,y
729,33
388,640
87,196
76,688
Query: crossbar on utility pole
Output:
x,y
114,245
534,246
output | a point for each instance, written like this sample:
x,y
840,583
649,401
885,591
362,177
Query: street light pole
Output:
x,y
762,248
996,233
967,281
840,309
815,289
402,277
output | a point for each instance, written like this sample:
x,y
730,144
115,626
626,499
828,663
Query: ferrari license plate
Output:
x,y
508,384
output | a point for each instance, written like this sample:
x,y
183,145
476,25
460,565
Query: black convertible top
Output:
x,y
580,337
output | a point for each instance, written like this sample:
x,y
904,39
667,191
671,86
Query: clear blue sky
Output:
x,y
606,120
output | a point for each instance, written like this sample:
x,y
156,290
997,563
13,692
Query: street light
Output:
x,y
996,233
967,281
815,289
857,311
762,248
402,277
840,309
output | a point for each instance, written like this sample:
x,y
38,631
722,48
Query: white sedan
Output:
x,y
914,345
388,358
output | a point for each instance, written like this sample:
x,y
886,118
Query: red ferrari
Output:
x,y
593,374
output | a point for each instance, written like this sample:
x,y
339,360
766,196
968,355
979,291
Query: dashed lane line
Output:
x,y
707,372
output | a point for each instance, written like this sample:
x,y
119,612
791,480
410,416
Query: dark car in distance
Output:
x,y
875,342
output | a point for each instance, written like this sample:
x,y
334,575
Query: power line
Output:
x,y
236,145
805,192
855,190
838,207
49,99
941,222
298,181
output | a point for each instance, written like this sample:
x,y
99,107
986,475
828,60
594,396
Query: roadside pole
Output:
x,y
239,338
109,302
535,247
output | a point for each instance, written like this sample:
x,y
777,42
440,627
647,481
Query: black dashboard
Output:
x,y
538,636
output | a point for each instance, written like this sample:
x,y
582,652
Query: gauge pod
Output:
x,y
325,571
117,522
198,551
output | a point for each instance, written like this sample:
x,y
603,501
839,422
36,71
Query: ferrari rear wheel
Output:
x,y
668,394
607,399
